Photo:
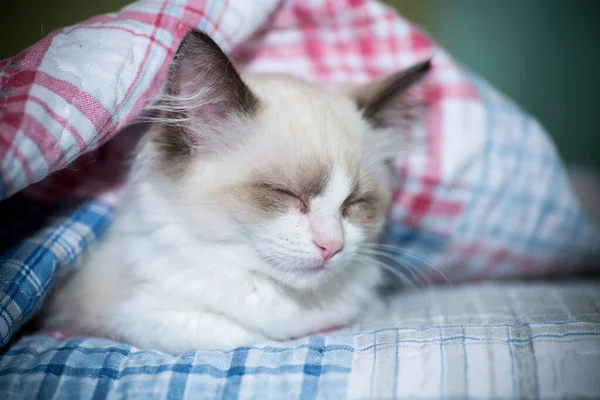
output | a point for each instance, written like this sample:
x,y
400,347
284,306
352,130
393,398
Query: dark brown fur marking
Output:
x,y
281,188
389,91
366,205
218,78
174,144
217,69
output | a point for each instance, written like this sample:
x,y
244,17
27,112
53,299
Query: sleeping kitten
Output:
x,y
244,213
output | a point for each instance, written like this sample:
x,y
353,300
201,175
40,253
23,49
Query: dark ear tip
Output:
x,y
196,37
416,73
424,66
196,34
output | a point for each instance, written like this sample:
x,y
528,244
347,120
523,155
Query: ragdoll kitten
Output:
x,y
244,212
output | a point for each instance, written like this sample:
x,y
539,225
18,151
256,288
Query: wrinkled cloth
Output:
x,y
482,341
481,192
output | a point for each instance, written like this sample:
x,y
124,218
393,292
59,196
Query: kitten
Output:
x,y
244,213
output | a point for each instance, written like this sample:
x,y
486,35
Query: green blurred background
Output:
x,y
542,53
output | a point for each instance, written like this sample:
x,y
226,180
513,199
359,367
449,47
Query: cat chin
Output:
x,y
305,280
311,278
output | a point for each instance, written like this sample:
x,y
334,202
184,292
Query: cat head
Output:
x,y
295,171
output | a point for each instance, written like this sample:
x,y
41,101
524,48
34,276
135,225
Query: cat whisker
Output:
x,y
364,259
390,258
398,251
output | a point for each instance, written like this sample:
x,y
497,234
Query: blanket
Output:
x,y
481,194
484,341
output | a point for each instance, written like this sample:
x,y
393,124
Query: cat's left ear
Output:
x,y
382,102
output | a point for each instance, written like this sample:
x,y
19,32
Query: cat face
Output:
x,y
295,171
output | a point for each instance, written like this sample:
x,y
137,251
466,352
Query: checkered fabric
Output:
x,y
481,193
488,341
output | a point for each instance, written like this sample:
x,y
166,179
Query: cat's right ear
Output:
x,y
204,94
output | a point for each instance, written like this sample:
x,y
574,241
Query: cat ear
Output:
x,y
204,95
204,78
382,102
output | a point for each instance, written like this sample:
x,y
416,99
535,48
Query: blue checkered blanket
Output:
x,y
486,341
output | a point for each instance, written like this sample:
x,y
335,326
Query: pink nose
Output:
x,y
329,248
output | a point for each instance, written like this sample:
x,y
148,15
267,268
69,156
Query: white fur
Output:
x,y
153,285
177,272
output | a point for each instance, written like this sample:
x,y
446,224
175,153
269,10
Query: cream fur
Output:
x,y
175,272
216,243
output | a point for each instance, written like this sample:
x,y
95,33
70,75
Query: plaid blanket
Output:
x,y
482,192
488,341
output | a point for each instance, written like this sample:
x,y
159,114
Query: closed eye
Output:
x,y
351,201
287,192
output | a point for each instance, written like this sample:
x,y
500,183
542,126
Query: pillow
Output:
x,y
481,193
